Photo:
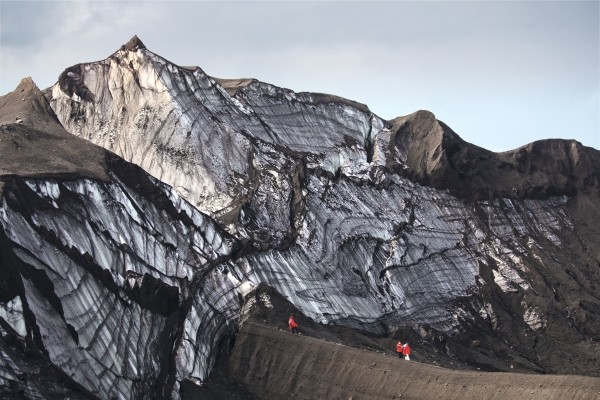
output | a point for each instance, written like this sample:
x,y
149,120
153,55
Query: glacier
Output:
x,y
130,283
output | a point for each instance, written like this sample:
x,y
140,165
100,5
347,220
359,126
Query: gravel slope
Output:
x,y
273,363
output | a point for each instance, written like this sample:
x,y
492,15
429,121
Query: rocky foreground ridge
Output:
x,y
143,203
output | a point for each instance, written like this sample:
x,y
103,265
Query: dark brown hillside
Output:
x,y
265,361
436,156
33,143
273,363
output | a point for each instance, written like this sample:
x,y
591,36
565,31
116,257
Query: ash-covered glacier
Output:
x,y
131,283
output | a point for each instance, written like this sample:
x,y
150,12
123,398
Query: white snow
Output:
x,y
12,313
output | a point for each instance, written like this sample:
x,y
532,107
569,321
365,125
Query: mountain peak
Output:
x,y
26,104
26,83
133,44
34,143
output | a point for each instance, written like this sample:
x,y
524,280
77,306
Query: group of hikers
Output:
x,y
403,350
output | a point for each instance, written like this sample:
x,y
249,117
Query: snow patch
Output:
x,y
534,318
12,313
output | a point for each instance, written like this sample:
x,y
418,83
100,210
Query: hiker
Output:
x,y
406,352
292,324
399,348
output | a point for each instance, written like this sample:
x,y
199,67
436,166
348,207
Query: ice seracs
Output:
x,y
128,278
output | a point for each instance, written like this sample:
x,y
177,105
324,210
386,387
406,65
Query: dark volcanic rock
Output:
x,y
133,44
33,142
434,155
266,361
276,364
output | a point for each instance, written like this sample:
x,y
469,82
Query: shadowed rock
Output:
x,y
436,156
133,44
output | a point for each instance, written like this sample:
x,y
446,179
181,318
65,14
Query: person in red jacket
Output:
x,y
292,324
399,348
406,351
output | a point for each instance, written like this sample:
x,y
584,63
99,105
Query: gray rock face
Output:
x,y
128,283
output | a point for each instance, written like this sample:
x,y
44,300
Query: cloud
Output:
x,y
23,25
518,64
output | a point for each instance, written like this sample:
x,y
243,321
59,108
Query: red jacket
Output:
x,y
292,323
399,347
406,350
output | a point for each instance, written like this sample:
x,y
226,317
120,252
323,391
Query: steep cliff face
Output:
x,y
129,283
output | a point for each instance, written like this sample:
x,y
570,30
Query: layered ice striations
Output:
x,y
114,281
106,271
130,284
184,128
161,118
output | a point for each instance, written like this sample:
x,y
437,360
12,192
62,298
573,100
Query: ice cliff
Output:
x,y
128,279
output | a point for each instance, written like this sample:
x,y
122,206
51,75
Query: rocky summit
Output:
x,y
157,224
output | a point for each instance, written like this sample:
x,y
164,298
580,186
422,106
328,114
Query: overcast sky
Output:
x,y
500,74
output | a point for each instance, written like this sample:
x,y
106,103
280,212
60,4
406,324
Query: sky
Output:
x,y
500,74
